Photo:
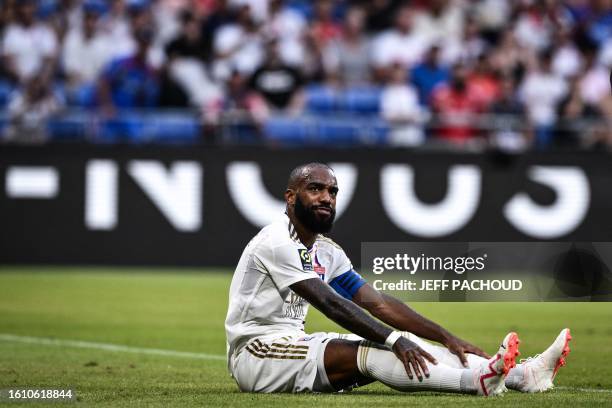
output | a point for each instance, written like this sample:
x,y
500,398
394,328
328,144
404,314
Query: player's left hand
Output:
x,y
459,347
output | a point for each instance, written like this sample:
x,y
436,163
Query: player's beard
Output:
x,y
307,216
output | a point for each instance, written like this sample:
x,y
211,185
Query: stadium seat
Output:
x,y
349,130
337,132
174,128
288,131
6,89
2,124
345,130
241,134
85,96
361,100
70,126
379,133
59,92
127,127
114,130
159,127
321,99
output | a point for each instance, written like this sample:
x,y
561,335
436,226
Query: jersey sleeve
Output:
x,y
340,263
343,278
286,264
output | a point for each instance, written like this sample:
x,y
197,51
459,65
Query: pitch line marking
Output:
x,y
169,353
604,390
108,347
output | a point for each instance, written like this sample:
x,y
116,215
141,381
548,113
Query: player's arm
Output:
x,y
354,319
399,315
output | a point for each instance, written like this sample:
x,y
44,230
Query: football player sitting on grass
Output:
x,y
289,265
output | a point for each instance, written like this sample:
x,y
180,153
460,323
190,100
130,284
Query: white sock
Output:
x,y
443,355
515,378
381,364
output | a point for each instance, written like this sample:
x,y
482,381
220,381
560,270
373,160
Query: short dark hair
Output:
x,y
302,171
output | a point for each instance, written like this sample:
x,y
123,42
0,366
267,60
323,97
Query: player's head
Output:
x,y
311,196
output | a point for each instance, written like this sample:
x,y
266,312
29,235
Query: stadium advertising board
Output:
x,y
153,206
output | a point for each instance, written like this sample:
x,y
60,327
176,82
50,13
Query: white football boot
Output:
x,y
540,370
489,378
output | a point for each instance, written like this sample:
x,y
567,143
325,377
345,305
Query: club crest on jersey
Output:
x,y
306,259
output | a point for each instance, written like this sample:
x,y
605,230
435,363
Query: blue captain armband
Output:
x,y
347,284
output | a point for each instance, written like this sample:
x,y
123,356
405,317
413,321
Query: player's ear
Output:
x,y
290,196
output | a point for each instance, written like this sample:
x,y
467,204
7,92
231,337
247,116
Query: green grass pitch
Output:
x,y
184,310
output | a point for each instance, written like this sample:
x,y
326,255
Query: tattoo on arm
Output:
x,y
344,312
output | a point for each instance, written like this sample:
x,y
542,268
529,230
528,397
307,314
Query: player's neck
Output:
x,y
306,236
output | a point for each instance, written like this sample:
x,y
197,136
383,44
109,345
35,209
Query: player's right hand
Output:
x,y
413,357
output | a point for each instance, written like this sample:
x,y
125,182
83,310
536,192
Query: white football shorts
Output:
x,y
292,363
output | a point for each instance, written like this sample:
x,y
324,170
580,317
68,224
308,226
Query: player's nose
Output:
x,y
325,198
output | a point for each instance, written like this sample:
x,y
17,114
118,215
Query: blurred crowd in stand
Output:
x,y
521,73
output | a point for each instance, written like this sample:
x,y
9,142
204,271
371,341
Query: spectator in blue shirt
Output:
x,y
600,24
430,73
130,82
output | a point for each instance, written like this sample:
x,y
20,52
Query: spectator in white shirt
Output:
x,y
399,106
86,49
186,63
492,15
29,47
289,27
541,92
398,45
440,21
465,49
605,53
115,22
567,61
238,46
594,82
28,112
346,58
534,26
67,15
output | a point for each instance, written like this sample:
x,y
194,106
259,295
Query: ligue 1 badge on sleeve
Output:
x,y
306,259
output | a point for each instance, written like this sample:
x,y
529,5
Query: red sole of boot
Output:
x,y
564,353
512,352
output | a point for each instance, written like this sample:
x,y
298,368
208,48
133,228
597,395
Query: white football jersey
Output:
x,y
260,300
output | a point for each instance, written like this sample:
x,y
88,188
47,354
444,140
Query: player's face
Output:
x,y
315,201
